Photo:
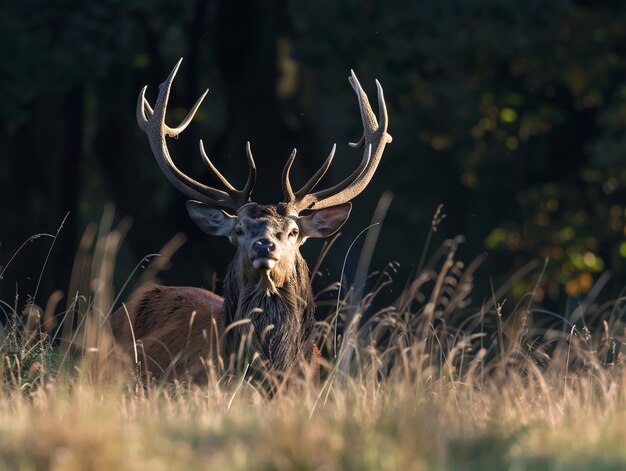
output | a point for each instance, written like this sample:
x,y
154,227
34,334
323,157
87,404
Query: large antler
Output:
x,y
152,122
374,140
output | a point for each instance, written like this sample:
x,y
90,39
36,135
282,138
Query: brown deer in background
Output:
x,y
267,312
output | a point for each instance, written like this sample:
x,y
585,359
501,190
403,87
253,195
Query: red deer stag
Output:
x,y
267,291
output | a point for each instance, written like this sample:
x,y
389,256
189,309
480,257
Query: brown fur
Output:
x,y
177,326
281,323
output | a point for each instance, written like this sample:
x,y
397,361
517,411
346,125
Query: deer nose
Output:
x,y
263,247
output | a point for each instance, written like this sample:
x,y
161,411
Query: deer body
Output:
x,y
267,313
175,324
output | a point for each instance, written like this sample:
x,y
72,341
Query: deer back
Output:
x,y
173,327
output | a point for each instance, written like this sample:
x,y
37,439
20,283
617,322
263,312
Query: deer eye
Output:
x,y
293,233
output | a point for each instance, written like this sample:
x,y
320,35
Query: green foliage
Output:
x,y
580,227
26,354
54,46
517,102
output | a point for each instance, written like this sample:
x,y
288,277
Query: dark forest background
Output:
x,y
512,113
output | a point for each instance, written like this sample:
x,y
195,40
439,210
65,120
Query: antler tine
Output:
x,y
152,122
239,196
249,186
312,200
294,197
173,132
144,110
163,97
315,179
382,110
367,115
216,172
374,139
288,193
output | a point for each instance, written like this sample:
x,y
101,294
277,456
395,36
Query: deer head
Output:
x,y
267,237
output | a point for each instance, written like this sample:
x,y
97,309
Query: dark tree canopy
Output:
x,y
510,113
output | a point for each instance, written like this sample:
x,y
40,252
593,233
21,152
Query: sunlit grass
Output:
x,y
432,381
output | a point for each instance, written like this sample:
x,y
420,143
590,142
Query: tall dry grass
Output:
x,y
434,380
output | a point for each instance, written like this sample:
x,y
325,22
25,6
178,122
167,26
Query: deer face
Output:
x,y
268,237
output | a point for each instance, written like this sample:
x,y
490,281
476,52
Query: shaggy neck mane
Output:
x,y
281,323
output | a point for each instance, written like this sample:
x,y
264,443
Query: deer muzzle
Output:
x,y
264,263
264,254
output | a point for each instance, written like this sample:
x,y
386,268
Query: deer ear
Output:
x,y
211,220
325,222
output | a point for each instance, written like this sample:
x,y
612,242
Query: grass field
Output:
x,y
428,382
